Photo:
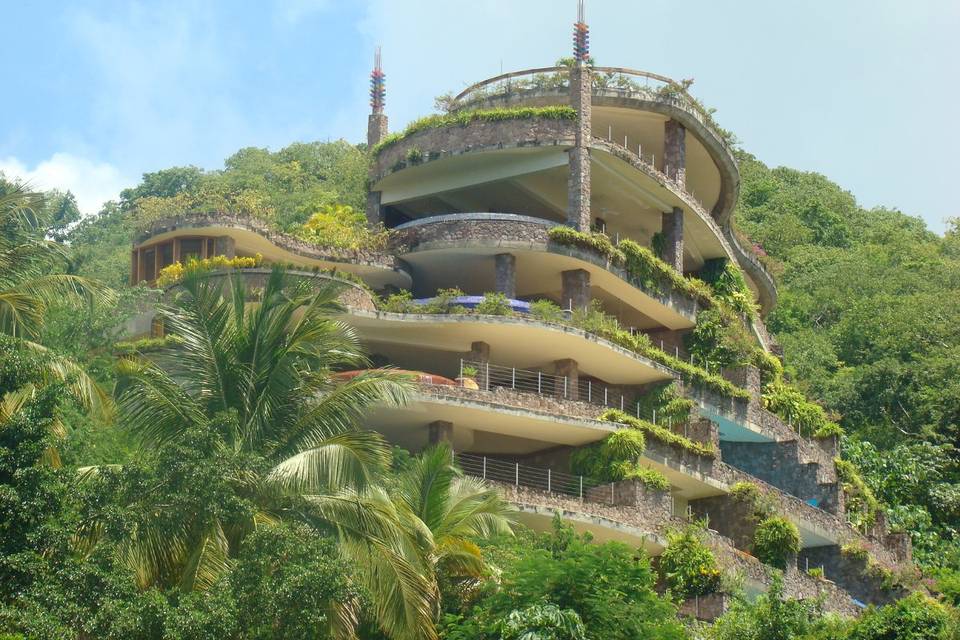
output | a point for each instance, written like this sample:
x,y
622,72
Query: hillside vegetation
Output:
x,y
192,537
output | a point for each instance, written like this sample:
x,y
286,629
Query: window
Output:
x,y
149,264
166,254
191,248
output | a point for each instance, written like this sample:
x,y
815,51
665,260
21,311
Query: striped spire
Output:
x,y
581,35
378,90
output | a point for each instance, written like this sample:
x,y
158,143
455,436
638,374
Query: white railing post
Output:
x,y
513,378
654,416
621,402
605,401
589,391
461,371
581,487
549,481
488,376
484,467
539,382
516,479
565,378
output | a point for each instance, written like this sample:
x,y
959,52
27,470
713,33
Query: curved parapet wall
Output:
x,y
616,87
763,279
500,232
479,135
255,279
378,268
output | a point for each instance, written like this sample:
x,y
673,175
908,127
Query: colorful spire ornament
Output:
x,y
581,36
378,90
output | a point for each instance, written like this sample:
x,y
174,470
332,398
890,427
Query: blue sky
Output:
x,y
99,92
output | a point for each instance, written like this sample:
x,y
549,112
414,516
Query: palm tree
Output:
x,y
32,278
456,510
266,371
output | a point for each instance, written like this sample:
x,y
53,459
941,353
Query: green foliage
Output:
x,y
494,304
729,285
772,617
861,504
543,622
665,400
776,540
610,586
807,417
688,566
463,118
546,311
340,226
144,345
289,582
659,433
915,617
720,340
615,458
400,302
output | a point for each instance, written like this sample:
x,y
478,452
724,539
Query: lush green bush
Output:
x,y
494,304
807,417
728,284
775,541
720,340
915,617
543,622
688,566
861,504
546,311
664,401
400,302
774,617
463,118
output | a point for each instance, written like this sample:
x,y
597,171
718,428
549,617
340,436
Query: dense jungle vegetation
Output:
x,y
226,488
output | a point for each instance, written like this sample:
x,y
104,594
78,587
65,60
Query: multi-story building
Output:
x,y
531,187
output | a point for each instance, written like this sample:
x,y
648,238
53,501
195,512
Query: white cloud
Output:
x,y
93,183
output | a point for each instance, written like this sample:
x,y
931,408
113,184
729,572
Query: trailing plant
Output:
x,y
657,432
762,505
775,540
729,285
597,242
808,418
855,551
719,340
464,118
770,366
612,458
642,264
861,504
651,478
174,273
688,566
665,402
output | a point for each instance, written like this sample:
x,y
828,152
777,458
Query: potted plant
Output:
x,y
468,377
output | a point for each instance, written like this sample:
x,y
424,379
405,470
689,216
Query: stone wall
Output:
x,y
855,575
452,140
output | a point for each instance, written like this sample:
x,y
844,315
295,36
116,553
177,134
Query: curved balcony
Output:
x,y
458,249
221,233
617,88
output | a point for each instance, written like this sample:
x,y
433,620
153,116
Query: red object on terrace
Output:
x,y
419,376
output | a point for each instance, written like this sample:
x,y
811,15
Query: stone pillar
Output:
x,y
672,230
578,180
376,129
440,431
675,151
374,212
479,354
225,246
570,369
506,274
576,289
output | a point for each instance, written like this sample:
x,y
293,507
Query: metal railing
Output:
x,y
537,478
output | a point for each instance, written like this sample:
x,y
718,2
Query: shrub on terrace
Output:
x,y
688,566
494,304
174,273
542,622
807,417
340,226
666,403
720,340
861,504
916,617
775,540
616,458
659,433
464,118
547,311
728,285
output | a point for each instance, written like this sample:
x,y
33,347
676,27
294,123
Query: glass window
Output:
x,y
166,254
149,264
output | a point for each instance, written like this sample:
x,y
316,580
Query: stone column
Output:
x,y
479,355
672,230
578,180
570,369
225,246
576,289
440,431
675,151
376,131
506,274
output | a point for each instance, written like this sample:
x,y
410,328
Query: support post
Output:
x,y
672,230
506,274
575,292
578,180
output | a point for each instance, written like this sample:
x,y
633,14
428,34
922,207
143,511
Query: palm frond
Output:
x,y
208,560
343,460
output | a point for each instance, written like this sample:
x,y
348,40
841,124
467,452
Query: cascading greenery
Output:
x,y
688,566
660,433
775,541
615,458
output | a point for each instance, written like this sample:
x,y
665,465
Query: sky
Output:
x,y
99,92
